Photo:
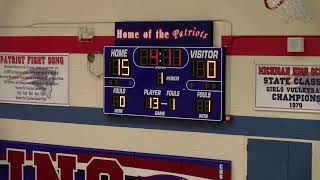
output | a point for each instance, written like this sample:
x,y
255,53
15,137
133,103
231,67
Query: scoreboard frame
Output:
x,y
222,74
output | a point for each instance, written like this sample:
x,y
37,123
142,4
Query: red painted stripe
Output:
x,y
159,165
236,45
123,160
268,45
53,44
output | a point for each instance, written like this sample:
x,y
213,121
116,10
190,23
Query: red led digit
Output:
x,y
167,57
154,57
177,56
144,57
180,57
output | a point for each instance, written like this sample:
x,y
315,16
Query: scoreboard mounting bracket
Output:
x,y
166,82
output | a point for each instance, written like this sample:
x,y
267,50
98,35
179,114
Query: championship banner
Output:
x,y
29,161
29,78
164,33
288,88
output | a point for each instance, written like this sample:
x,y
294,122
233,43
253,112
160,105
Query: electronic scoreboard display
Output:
x,y
169,82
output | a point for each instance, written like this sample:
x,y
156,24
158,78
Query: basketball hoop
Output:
x,y
288,10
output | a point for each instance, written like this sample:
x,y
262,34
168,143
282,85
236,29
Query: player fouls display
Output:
x,y
170,82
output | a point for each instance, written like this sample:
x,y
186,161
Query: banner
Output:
x,y
288,87
50,162
164,33
28,78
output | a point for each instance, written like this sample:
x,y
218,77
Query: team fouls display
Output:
x,y
171,82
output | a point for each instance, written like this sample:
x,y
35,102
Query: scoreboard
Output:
x,y
168,82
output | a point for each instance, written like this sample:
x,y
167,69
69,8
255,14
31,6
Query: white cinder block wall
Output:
x,y
248,18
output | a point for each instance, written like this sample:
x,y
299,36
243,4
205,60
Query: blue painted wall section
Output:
x,y
242,125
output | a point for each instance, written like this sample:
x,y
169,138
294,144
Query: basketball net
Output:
x,y
289,10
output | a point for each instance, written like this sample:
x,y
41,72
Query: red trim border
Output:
x,y
236,45
53,44
268,45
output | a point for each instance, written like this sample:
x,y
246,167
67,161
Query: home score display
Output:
x,y
170,82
